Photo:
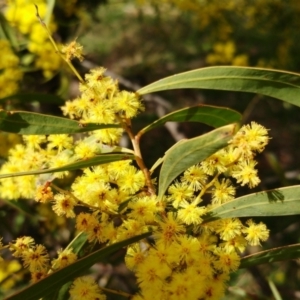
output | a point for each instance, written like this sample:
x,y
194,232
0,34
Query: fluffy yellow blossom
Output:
x,y
59,142
34,141
38,275
22,245
256,233
227,261
65,258
251,138
195,177
86,288
44,193
245,173
22,15
228,228
64,205
214,163
143,209
36,258
180,192
169,229
131,181
222,192
148,272
189,213
134,256
186,248
72,50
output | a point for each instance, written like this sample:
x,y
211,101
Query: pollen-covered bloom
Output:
x,y
65,258
36,258
180,192
134,256
21,245
228,228
150,276
64,205
169,229
256,233
60,142
214,163
222,191
227,261
34,141
131,181
44,193
189,213
95,229
72,50
128,104
86,288
250,138
143,209
245,173
195,176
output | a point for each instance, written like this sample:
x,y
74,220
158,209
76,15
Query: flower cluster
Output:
x,y
102,102
224,53
22,15
10,73
196,257
36,258
189,257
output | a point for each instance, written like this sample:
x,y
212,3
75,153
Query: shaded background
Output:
x,y
143,41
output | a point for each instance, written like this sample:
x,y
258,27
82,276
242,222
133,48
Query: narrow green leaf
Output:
x,y
123,205
50,7
270,256
274,290
96,160
186,153
63,293
23,122
57,279
76,244
278,202
156,164
210,115
278,84
31,97
8,32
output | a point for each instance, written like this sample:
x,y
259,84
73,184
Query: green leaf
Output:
x,y
278,84
274,290
123,205
270,256
210,115
31,97
96,160
278,202
76,244
186,153
23,122
57,279
49,12
8,32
